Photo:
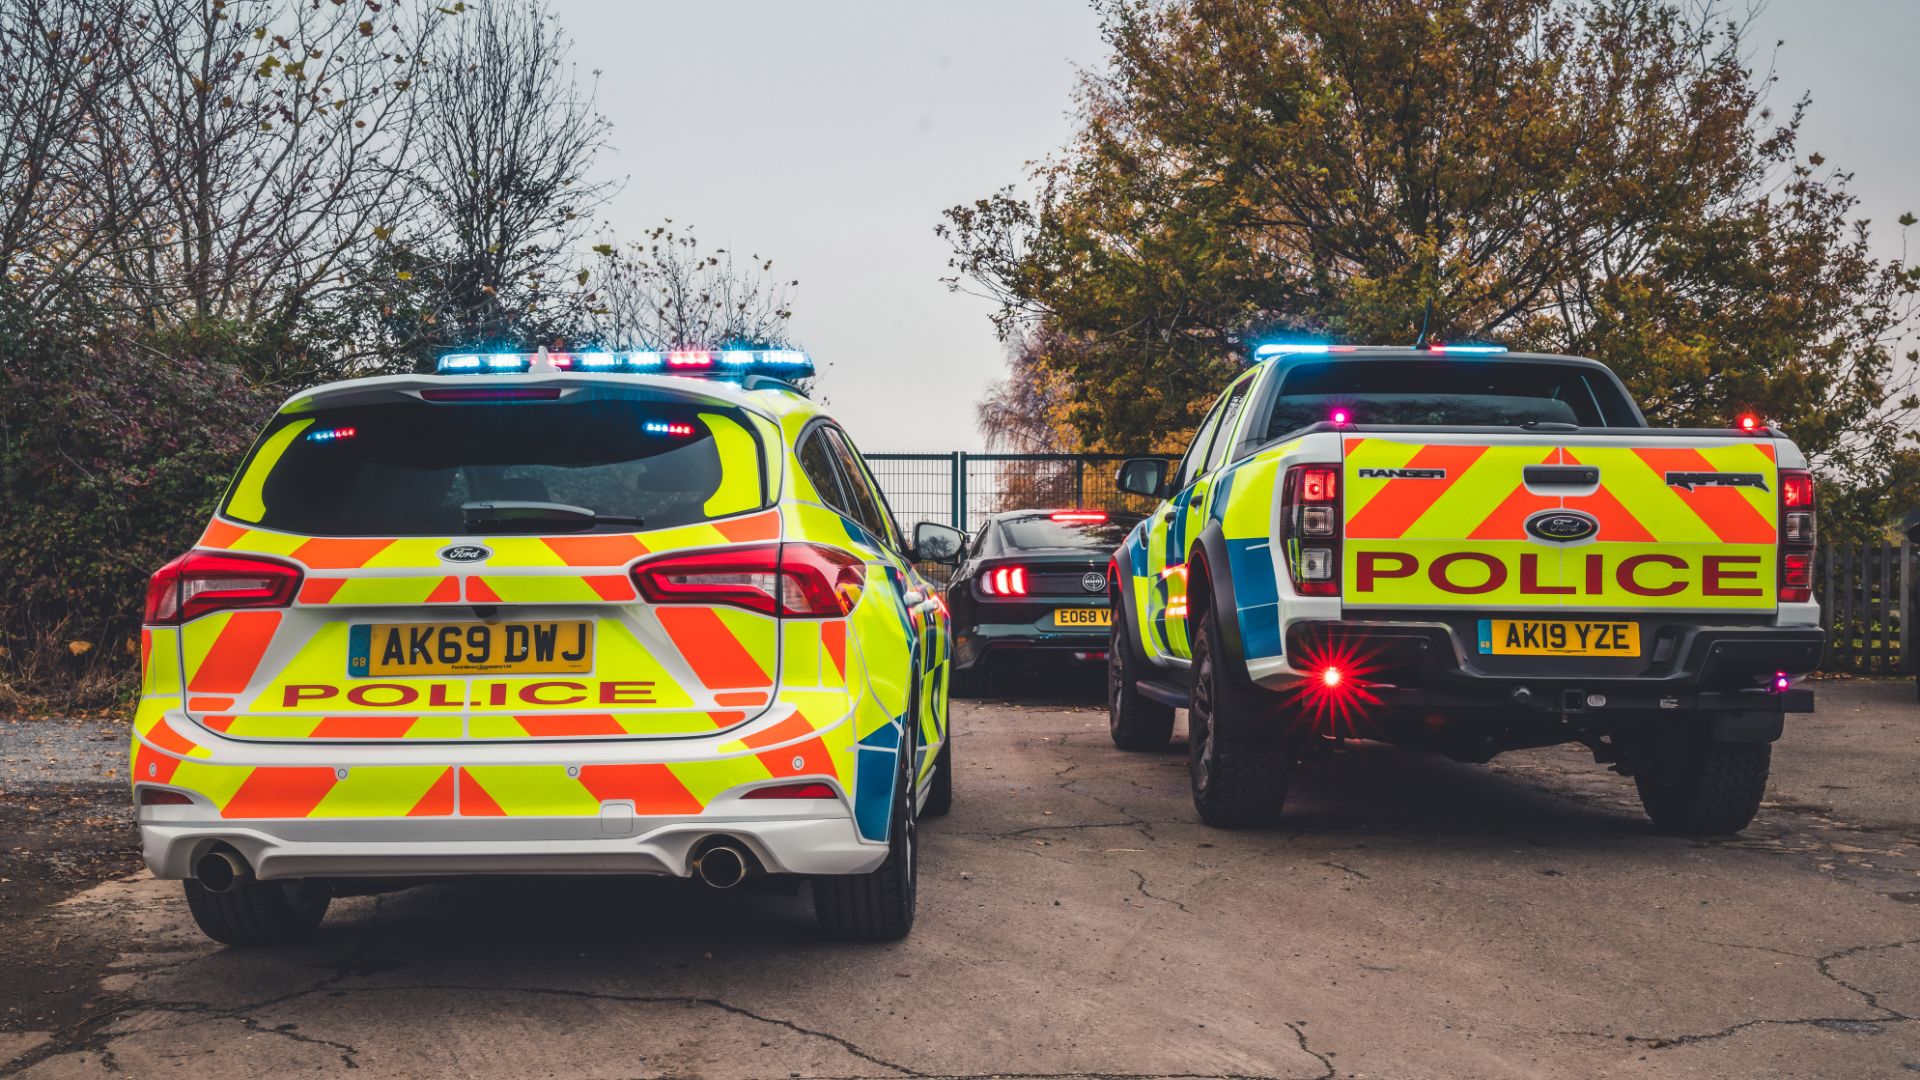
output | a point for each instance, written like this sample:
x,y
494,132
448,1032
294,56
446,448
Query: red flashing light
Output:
x,y
805,790
1330,677
1340,417
1749,422
1781,682
690,358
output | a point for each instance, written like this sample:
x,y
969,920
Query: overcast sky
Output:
x,y
829,135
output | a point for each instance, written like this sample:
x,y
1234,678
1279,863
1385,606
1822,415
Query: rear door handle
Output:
x,y
1560,475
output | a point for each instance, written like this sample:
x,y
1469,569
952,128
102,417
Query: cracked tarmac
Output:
x,y
1413,918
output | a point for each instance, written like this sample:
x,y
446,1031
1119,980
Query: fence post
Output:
x,y
960,490
1080,481
1907,608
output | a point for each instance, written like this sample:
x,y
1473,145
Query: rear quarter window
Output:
x,y
416,468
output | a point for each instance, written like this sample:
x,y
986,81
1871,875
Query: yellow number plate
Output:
x,y
1527,637
504,648
1083,616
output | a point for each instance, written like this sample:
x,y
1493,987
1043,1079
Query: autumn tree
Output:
x,y
1600,177
666,291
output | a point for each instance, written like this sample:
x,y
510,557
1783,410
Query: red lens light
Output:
x,y
1796,488
1330,677
809,790
1004,581
150,796
1082,517
690,358
1319,485
1749,422
806,581
202,582
1340,416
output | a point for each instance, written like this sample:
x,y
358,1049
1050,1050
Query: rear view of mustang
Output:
x,y
567,614
1474,551
1032,589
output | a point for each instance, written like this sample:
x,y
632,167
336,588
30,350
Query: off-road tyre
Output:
x,y
1692,785
1237,772
1135,721
878,905
259,914
940,784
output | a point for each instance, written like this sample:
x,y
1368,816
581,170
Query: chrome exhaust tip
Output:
x,y
722,866
218,870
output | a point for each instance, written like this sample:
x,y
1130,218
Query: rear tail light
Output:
x,y
799,581
202,582
1799,527
1310,528
805,790
1079,517
1004,581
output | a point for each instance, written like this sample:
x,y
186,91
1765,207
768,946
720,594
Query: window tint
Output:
x,y
1044,531
411,468
867,506
1229,415
1448,394
816,461
1196,453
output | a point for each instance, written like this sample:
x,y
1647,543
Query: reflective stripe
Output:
x,y
247,502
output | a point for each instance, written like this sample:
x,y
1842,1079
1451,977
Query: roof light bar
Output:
x,y
783,363
1319,348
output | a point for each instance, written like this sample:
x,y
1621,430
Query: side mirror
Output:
x,y
1143,476
933,542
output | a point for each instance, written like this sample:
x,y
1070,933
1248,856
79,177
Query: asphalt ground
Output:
x,y
1413,918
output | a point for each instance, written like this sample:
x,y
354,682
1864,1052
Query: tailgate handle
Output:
x,y
1560,475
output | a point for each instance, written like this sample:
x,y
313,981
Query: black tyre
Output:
x,y
1238,773
255,914
878,905
940,784
1135,721
1692,785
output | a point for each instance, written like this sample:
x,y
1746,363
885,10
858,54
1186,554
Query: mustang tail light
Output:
x,y
1799,525
1310,528
202,582
797,581
1004,581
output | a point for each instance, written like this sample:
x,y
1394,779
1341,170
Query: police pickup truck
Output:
x,y
1469,550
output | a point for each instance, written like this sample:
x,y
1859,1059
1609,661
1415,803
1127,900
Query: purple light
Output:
x,y
1339,416
1781,682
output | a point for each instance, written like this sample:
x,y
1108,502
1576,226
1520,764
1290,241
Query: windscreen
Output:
x,y
1443,393
590,463
1045,531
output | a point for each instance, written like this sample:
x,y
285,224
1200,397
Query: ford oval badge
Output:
x,y
1562,526
465,553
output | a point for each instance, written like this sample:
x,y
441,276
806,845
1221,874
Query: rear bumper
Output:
x,y
799,841
1427,665
972,646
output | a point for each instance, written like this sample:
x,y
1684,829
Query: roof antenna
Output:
x,y
542,363
1421,341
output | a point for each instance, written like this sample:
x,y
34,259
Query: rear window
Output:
x,y
1043,531
1441,393
446,469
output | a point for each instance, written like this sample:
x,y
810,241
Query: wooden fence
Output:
x,y
1866,594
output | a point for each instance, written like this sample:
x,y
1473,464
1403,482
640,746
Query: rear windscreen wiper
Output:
x,y
533,515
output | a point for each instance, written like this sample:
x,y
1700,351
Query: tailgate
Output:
x,y
1567,522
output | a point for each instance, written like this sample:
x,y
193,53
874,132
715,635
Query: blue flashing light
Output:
x,y
1292,348
332,434
697,363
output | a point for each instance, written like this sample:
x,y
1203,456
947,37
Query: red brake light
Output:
x,y
1004,581
803,581
1080,517
1799,526
202,582
1318,484
493,393
812,790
